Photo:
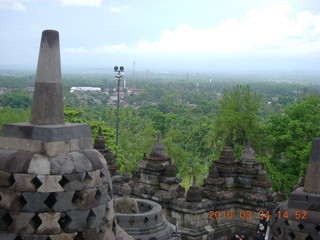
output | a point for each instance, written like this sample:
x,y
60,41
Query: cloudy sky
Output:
x,y
166,35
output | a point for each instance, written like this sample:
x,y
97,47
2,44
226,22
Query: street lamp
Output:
x,y
119,75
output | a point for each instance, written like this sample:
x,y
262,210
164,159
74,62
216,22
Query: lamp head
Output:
x,y
115,68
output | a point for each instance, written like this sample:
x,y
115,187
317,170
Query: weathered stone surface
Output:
x,y
62,201
18,162
312,179
25,182
8,236
72,182
39,164
93,178
47,133
4,154
49,223
22,222
75,221
5,179
85,199
47,107
81,163
50,183
10,200
64,236
62,164
96,217
35,202
96,159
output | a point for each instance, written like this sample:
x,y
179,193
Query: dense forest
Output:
x,y
195,115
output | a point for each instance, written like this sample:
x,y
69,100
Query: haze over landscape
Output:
x,y
205,35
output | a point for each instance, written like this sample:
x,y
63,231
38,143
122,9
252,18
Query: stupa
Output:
x,y
53,184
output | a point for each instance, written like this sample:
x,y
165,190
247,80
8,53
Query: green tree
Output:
x,y
288,138
237,117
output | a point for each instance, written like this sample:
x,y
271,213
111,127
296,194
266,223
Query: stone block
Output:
x,y
35,202
93,179
39,164
47,133
8,236
25,182
102,195
85,199
97,160
18,162
73,182
74,221
96,217
80,144
54,148
4,154
5,179
33,237
81,163
10,200
298,204
49,223
63,236
62,201
50,183
62,164
25,223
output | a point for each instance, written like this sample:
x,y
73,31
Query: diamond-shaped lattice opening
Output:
x,y
131,221
318,228
35,222
6,220
50,200
77,198
64,221
291,235
102,175
156,217
107,210
36,182
87,178
110,190
48,238
98,195
278,231
63,181
286,223
11,179
309,237
22,201
18,238
145,220
114,227
0,197
91,217
300,226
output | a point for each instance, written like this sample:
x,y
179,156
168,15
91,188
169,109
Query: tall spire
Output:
x,y
47,107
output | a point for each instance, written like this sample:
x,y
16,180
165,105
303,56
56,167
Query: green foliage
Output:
x,y
12,115
238,117
288,138
16,99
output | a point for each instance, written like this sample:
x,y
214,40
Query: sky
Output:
x,y
165,35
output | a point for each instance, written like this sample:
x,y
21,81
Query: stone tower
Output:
x,y
53,184
299,217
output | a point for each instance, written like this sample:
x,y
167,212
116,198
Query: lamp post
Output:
x,y
119,75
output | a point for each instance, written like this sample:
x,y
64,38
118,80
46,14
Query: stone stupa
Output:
x,y
53,184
